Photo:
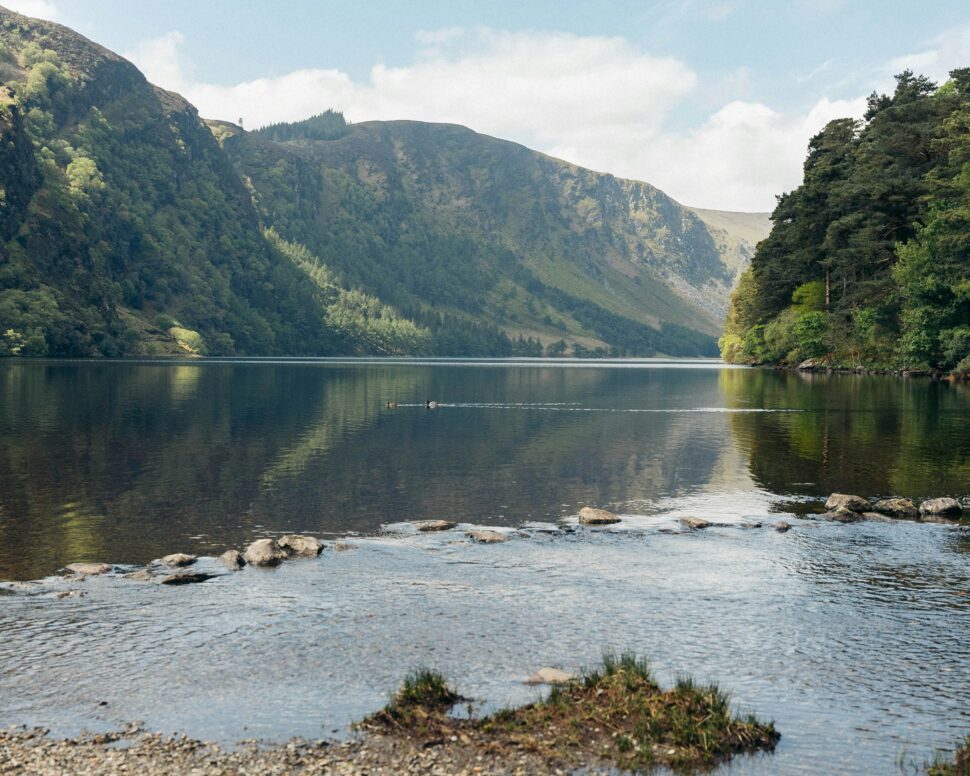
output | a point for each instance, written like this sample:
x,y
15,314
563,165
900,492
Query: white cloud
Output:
x,y
597,101
944,53
39,9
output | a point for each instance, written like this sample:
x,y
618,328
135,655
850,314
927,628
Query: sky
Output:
x,y
713,101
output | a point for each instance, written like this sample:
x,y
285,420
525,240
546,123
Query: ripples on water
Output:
x,y
853,638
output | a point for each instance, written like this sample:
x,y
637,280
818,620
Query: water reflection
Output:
x,y
125,462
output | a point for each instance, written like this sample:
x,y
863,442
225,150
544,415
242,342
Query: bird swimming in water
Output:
x,y
391,405
431,405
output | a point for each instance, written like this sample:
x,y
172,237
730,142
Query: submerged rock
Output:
x,y
842,515
593,516
896,507
550,676
845,501
427,526
782,526
179,559
941,507
142,575
264,552
303,546
186,578
487,537
343,546
695,523
232,559
88,569
877,517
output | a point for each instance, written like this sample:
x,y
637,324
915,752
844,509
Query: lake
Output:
x,y
854,638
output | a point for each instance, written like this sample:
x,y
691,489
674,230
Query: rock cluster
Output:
x,y
845,508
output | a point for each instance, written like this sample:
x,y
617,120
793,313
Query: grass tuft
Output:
x,y
614,713
959,766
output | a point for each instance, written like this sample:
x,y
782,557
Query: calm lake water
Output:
x,y
855,639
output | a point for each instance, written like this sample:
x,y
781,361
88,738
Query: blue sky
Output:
x,y
712,100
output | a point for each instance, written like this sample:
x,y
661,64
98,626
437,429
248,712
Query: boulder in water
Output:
x,y
941,507
896,507
593,516
842,515
186,578
264,552
179,559
428,526
487,537
550,676
232,559
88,569
303,546
695,523
845,501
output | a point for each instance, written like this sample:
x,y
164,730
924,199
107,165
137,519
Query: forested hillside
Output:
x,y
437,218
130,226
868,261
123,227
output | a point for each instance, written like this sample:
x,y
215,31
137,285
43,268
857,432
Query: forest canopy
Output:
x,y
868,261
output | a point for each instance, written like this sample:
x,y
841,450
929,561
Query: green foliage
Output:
x,y
329,125
873,249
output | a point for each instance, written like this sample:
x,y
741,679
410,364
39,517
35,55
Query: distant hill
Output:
x,y
130,226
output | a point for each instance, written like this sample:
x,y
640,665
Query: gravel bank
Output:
x,y
34,752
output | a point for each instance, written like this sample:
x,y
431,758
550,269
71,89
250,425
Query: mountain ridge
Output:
x,y
130,226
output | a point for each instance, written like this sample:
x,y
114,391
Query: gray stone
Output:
x,y
695,523
550,676
782,526
303,546
842,515
186,578
811,364
178,559
232,559
942,507
487,537
845,501
264,552
593,516
142,575
89,569
877,517
896,507
427,526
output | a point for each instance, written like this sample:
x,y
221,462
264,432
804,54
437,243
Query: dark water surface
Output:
x,y
855,639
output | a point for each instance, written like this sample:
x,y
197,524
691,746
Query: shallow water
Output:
x,y
853,638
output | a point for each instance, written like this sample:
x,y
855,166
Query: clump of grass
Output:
x,y
615,713
960,766
422,702
619,713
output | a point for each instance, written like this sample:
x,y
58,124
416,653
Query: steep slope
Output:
x,y
438,216
130,226
123,227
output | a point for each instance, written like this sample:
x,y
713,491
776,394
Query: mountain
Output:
x,y
129,226
436,215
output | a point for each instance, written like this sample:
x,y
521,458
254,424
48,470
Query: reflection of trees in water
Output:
x,y
866,435
125,462
512,464
118,462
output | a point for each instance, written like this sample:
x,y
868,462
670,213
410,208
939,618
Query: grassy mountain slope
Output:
x,y
130,226
435,215
123,227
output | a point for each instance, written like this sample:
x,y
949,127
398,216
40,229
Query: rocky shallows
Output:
x,y
847,508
